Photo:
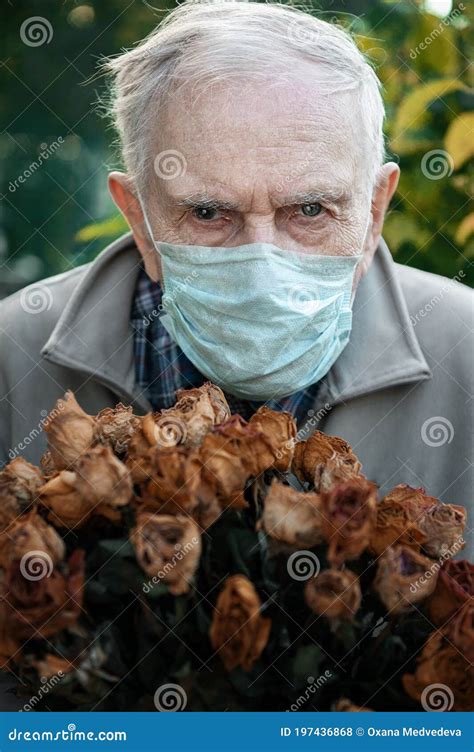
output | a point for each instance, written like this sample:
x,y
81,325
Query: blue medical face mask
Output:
x,y
259,321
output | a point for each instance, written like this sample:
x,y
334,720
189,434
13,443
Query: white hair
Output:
x,y
212,40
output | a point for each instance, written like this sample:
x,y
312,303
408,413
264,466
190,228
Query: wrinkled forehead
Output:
x,y
261,133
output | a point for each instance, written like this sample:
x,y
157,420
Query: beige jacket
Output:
x,y
399,393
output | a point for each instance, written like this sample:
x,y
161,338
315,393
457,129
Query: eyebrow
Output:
x,y
312,197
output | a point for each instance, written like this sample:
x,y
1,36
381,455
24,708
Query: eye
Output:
x,y
311,210
205,213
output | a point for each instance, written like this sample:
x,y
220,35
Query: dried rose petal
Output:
x,y
334,594
116,426
324,460
292,517
167,548
349,514
280,429
27,536
70,431
404,578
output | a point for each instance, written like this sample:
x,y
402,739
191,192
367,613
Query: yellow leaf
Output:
x,y
412,113
459,138
465,229
112,227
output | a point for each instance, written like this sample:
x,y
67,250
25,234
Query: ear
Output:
x,y
124,196
386,185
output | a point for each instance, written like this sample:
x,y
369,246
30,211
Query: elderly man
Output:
x,y
255,190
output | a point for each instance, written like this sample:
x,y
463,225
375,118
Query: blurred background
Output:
x,y
56,149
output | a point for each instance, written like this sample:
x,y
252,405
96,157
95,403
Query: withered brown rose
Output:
x,y
324,460
454,587
397,522
43,607
19,485
349,515
167,548
192,417
238,632
404,578
98,480
116,426
70,431
30,534
441,663
443,526
334,594
347,706
280,429
52,665
160,476
218,470
460,630
292,517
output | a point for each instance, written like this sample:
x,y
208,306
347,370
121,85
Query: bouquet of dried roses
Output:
x,y
191,559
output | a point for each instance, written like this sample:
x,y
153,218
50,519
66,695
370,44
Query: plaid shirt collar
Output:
x,y
161,368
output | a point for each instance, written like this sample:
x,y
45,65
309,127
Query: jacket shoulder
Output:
x,y
431,296
32,313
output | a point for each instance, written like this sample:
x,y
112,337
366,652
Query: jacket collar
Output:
x,y
94,335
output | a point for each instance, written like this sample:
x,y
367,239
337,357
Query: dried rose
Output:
x,y
396,524
440,663
323,460
160,476
102,478
347,706
460,630
404,578
349,514
454,587
280,429
19,485
292,517
70,431
98,480
218,471
192,417
28,539
238,632
334,593
167,548
43,607
116,426
67,507
443,525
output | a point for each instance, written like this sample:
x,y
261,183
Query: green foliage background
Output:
x,y
62,216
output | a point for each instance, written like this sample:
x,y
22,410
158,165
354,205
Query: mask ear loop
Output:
x,y
145,217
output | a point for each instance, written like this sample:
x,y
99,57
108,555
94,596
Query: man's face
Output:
x,y
255,163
